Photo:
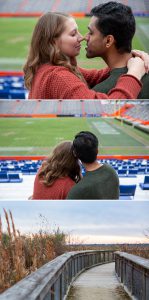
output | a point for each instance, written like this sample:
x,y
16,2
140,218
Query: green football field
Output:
x,y
30,136
15,35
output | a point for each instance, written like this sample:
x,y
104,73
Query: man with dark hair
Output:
x,y
100,180
111,30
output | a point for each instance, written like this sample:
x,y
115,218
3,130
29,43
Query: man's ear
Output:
x,y
109,40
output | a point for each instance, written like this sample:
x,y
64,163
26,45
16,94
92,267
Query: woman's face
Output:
x,y
70,40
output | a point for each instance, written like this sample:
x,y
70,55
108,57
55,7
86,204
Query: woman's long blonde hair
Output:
x,y
43,48
60,164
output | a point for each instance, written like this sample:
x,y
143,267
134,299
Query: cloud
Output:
x,y
104,219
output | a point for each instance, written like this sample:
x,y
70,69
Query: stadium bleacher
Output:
x,y
137,115
140,111
133,112
15,6
12,87
70,107
22,171
48,108
137,5
64,107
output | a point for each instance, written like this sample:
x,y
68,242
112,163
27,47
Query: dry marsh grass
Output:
x,y
137,249
22,254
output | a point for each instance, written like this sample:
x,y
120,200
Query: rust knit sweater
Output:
x,y
57,191
56,82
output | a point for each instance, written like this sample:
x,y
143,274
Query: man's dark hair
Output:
x,y
85,146
118,20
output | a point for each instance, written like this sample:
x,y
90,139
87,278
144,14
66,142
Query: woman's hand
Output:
x,y
144,56
136,67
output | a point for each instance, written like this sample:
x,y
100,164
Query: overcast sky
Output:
x,y
84,221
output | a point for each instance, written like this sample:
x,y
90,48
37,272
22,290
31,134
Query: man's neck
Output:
x,y
93,166
117,60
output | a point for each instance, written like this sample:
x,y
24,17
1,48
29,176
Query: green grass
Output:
x,y
26,136
15,35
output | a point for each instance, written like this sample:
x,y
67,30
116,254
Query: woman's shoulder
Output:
x,y
51,68
49,73
66,179
66,182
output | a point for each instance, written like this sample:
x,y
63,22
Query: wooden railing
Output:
x,y
133,272
52,281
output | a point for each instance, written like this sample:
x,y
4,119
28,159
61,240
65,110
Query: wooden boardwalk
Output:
x,y
98,283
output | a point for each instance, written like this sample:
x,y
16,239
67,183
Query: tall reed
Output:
x,y
22,254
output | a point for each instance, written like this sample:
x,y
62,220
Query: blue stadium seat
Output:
x,y
32,171
127,192
17,168
122,172
15,93
141,170
132,172
131,167
4,169
115,168
3,177
145,184
4,92
25,171
14,178
124,167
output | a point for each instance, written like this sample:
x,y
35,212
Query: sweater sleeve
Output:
x,y
94,76
65,85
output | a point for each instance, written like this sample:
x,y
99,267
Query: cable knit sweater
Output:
x,y
56,82
58,190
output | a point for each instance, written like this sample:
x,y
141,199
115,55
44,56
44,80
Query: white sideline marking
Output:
x,y
12,61
105,128
145,29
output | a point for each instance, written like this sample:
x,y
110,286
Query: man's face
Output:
x,y
96,42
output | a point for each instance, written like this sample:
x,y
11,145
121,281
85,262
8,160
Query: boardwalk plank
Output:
x,y
98,283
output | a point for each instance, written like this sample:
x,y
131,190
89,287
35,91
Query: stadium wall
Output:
x,y
74,14
41,157
37,15
11,73
30,116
